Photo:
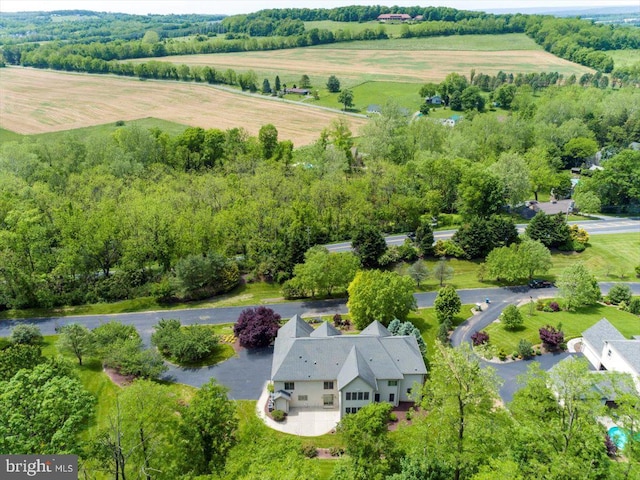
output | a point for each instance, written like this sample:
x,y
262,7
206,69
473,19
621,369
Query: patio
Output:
x,y
305,422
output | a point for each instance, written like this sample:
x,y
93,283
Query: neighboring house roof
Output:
x,y
600,333
630,350
634,145
375,328
356,366
318,357
373,108
325,330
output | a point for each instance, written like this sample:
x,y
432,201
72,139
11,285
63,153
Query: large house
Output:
x,y
394,17
321,368
607,349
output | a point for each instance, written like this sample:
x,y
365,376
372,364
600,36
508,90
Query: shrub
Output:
x,y
393,417
540,305
119,123
637,269
292,290
620,293
551,336
184,344
525,348
256,327
25,334
623,306
309,451
634,306
511,317
480,338
409,414
502,355
336,451
337,320
278,415
270,387
609,444
108,334
554,307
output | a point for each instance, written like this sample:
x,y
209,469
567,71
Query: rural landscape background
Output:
x,y
163,175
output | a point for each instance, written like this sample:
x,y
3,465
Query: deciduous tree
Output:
x,y
333,84
76,339
578,287
257,327
447,304
369,245
382,296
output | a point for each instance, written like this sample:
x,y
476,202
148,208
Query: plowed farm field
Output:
x,y
39,101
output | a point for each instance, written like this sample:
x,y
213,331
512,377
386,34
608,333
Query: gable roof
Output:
x,y
376,329
356,366
630,350
296,327
325,330
323,358
600,333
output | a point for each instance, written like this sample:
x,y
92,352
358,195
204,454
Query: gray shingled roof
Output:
x,y
295,327
356,366
630,350
325,330
375,328
601,332
307,358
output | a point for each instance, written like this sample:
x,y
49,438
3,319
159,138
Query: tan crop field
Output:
x,y
408,63
39,101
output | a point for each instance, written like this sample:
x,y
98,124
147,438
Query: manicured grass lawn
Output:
x,y
378,93
425,320
573,324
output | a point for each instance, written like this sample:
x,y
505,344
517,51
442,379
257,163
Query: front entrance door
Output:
x,y
392,397
376,397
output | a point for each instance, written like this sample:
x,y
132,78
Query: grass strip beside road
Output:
x,y
573,324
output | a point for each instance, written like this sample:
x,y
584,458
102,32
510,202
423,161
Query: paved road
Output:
x,y
246,373
593,227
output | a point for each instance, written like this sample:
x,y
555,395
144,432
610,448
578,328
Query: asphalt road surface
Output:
x,y
593,227
246,373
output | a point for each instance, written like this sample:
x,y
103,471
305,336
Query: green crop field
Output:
x,y
171,128
623,58
392,29
488,43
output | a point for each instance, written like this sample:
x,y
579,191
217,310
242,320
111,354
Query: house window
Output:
x,y
348,410
348,395
327,400
393,383
328,385
289,385
408,391
303,398
366,395
360,395
376,397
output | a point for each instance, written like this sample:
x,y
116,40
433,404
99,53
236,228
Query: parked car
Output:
x,y
540,284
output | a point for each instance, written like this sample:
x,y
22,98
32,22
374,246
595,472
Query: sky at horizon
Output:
x,y
246,6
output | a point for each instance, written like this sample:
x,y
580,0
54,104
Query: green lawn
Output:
x,y
392,29
379,93
573,324
425,320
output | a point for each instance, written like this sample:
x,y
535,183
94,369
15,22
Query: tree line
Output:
x,y
140,212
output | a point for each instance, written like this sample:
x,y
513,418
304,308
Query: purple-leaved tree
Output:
x,y
551,336
256,327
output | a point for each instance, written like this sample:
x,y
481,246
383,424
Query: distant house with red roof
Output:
x,y
394,17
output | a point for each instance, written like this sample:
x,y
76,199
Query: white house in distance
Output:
x,y
607,349
322,368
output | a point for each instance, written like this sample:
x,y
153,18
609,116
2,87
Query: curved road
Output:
x,y
246,373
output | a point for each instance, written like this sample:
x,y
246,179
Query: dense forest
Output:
x,y
111,217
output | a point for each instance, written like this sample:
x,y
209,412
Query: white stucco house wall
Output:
x,y
607,349
322,368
